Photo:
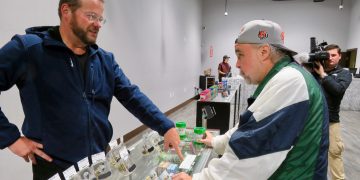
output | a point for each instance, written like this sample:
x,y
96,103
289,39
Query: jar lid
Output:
x,y
181,124
199,130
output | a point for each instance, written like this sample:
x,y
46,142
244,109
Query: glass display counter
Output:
x,y
145,159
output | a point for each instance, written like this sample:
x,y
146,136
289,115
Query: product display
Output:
x,y
119,159
145,159
100,166
85,171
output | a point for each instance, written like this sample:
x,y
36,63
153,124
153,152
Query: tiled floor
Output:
x,y
186,114
350,123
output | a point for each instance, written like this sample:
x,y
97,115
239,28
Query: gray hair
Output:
x,y
275,53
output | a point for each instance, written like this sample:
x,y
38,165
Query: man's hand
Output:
x,y
207,140
26,149
171,138
181,176
320,69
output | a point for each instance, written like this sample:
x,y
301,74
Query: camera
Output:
x,y
317,53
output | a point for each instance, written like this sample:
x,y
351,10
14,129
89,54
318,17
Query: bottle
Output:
x,y
181,128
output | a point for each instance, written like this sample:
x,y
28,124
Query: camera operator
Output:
x,y
334,81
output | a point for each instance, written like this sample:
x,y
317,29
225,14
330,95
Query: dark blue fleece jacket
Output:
x,y
64,110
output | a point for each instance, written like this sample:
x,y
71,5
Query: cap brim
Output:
x,y
292,53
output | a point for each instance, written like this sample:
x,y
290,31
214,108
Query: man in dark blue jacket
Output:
x,y
66,83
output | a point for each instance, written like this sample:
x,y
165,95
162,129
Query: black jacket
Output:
x,y
334,86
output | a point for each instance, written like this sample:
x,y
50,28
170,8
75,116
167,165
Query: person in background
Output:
x,y
66,83
283,134
334,81
224,68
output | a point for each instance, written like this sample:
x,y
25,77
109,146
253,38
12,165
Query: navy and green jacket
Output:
x,y
282,135
65,110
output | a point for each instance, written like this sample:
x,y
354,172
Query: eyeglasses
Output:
x,y
93,17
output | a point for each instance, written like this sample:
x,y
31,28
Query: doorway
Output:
x,y
348,58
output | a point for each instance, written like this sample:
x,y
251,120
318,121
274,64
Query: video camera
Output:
x,y
317,53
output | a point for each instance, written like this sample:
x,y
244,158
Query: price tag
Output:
x,y
69,173
187,162
55,177
124,154
113,143
98,157
84,163
164,175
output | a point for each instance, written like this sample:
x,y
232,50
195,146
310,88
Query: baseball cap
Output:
x,y
226,56
263,31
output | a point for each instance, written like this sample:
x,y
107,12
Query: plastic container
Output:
x,y
181,128
198,134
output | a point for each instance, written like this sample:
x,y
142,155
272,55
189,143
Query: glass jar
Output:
x,y
120,160
198,134
181,128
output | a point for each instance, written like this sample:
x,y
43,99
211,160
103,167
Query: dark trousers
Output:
x,y
44,170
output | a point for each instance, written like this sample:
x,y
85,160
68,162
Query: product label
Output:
x,y
124,154
84,163
188,161
98,157
55,177
113,143
70,172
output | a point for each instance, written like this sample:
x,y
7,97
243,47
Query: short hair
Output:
x,y
333,46
74,5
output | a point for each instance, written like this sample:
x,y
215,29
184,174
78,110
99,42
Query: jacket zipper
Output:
x,y
92,83
84,96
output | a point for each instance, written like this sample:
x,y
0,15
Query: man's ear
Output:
x,y
264,51
65,9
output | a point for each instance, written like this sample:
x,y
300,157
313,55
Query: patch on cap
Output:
x,y
263,31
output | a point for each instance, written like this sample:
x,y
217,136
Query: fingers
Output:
x,y
176,175
181,176
42,154
27,148
38,145
32,158
166,146
26,158
179,153
208,134
36,148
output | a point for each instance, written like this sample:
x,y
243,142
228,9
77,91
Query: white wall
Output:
x,y
354,29
156,43
300,19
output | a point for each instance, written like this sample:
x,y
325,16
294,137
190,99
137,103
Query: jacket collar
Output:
x,y
277,67
51,37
